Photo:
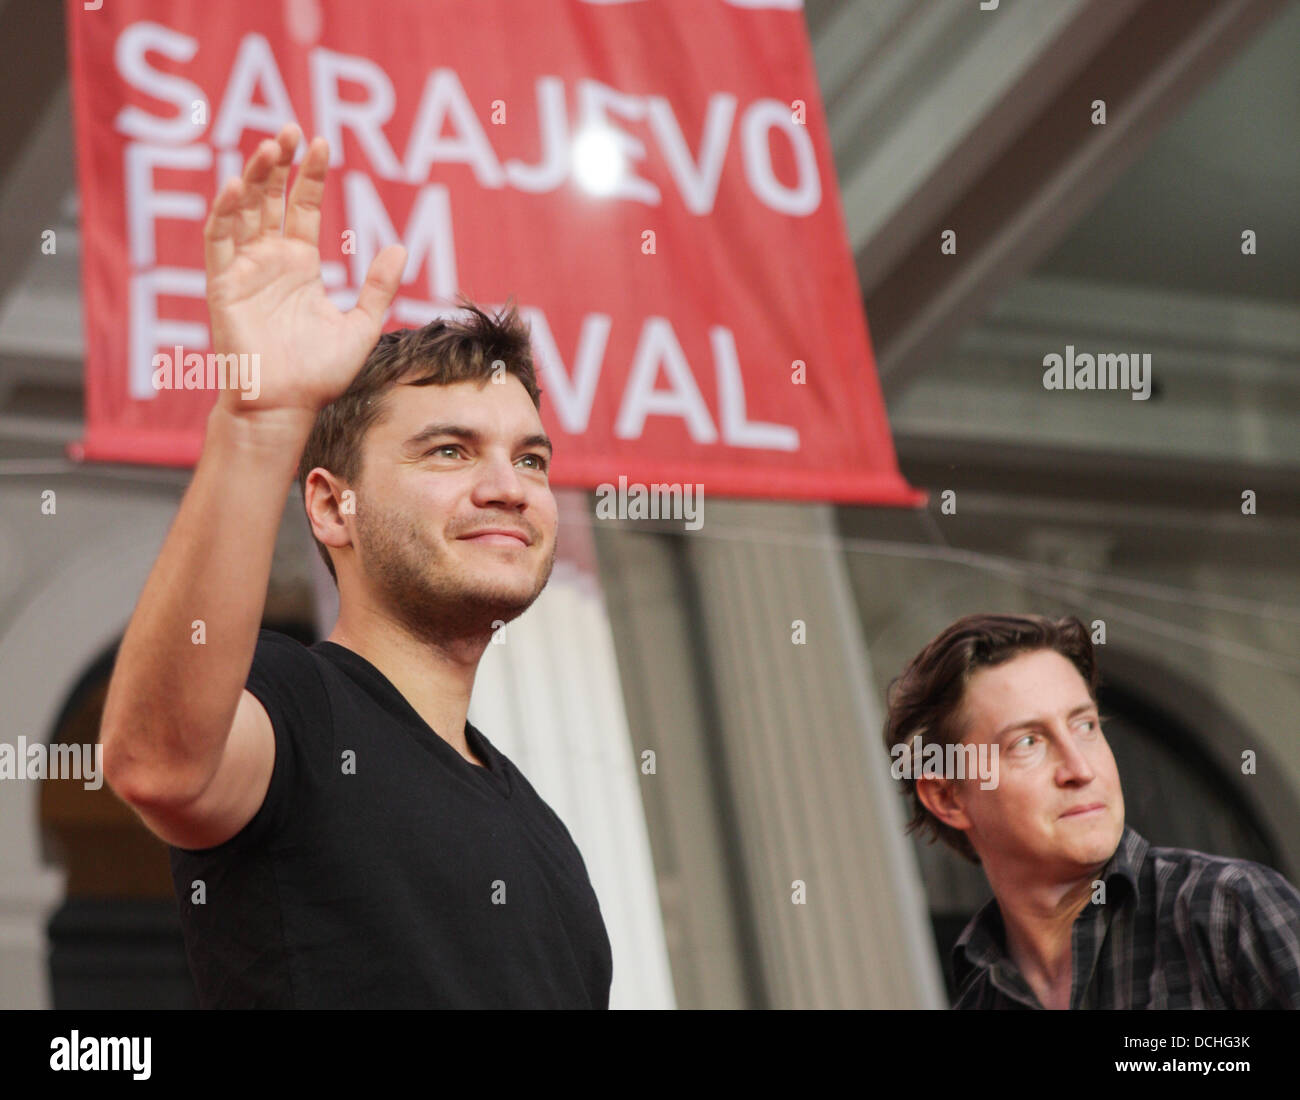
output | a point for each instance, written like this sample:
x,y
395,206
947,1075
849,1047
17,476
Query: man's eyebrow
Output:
x,y
1082,708
431,432
539,440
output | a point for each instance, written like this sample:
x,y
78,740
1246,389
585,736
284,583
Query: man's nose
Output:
x,y
498,482
1073,765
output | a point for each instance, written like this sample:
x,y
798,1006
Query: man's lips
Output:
x,y
499,536
1091,807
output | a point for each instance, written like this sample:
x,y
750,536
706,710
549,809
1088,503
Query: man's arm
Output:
x,y
1257,952
183,742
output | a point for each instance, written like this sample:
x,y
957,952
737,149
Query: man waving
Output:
x,y
341,835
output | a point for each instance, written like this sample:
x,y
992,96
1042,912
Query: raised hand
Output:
x,y
265,294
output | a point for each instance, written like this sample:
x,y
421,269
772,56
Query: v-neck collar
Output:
x,y
383,690
982,944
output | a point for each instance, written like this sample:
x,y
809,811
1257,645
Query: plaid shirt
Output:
x,y
1178,929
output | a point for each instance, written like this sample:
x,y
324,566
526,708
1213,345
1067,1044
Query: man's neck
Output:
x,y
1039,920
435,676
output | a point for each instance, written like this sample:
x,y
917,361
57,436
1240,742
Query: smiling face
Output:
x,y
455,523
1057,808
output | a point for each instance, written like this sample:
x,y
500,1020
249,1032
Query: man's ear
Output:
x,y
328,502
943,798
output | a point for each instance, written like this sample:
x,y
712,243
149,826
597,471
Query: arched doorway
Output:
x,y
115,941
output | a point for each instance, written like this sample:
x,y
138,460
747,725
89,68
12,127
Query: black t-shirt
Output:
x,y
383,869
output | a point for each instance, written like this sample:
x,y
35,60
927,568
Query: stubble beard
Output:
x,y
431,594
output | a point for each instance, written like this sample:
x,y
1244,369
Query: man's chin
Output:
x,y
498,601
1087,844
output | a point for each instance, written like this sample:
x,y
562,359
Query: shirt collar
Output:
x,y
982,942
1126,863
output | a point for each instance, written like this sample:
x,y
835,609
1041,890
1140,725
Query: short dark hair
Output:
x,y
926,699
440,353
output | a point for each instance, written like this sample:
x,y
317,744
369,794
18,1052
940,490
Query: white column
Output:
x,y
549,697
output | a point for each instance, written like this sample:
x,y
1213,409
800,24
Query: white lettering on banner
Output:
x,y
129,57
256,100
570,392
697,179
755,131
736,430
365,118
595,103
657,347
150,332
444,99
144,205
553,124
255,71
428,232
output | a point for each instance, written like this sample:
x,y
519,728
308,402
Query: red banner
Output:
x,y
650,180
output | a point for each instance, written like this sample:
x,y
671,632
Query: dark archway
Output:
x,y
115,942
1175,795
